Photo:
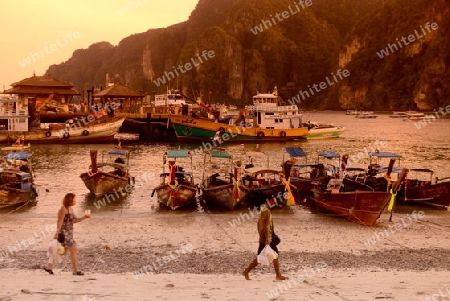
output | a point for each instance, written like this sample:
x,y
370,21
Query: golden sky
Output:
x,y
37,34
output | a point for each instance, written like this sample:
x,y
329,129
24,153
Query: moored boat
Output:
x,y
362,207
416,116
303,176
366,115
221,184
272,121
417,189
320,130
177,188
109,176
402,115
16,177
265,185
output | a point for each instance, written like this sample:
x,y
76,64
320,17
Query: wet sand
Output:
x,y
199,255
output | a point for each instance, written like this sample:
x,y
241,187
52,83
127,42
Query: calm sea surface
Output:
x,y
58,167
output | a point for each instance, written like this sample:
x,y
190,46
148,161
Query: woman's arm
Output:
x,y
79,219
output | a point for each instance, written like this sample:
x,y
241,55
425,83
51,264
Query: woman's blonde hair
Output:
x,y
68,200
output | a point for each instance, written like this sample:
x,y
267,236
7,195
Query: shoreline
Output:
x,y
113,249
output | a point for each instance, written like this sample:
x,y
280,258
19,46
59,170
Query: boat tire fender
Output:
x,y
282,134
221,130
85,132
66,135
48,134
260,135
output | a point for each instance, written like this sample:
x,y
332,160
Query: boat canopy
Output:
x,y
384,155
17,156
295,152
329,155
179,153
118,152
253,171
220,154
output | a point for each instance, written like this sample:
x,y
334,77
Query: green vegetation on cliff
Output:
x,y
255,49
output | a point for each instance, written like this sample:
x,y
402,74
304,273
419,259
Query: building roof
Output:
x,y
118,90
42,85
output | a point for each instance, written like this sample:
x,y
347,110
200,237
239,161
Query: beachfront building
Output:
x,y
125,99
34,94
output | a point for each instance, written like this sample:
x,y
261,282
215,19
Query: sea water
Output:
x,y
57,168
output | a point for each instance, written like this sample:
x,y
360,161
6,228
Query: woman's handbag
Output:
x,y
275,239
61,237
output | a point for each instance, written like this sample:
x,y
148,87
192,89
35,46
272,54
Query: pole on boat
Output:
x,y
395,188
94,160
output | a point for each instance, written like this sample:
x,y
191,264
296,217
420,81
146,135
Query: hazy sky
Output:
x,y
37,34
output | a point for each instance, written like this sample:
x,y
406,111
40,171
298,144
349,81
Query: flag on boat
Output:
x,y
290,197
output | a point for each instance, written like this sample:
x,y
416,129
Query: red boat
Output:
x,y
425,191
362,207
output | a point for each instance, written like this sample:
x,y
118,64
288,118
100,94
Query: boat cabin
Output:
x,y
269,112
176,172
12,179
218,168
171,98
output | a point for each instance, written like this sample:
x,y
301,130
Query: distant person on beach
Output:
x,y
66,219
266,233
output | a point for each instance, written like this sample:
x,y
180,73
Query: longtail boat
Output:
x,y
432,192
221,184
177,188
109,176
265,185
305,176
16,176
358,202
419,186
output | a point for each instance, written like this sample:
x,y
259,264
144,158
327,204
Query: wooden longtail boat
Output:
x,y
16,176
426,192
417,187
355,201
177,188
362,207
304,177
221,185
265,185
109,177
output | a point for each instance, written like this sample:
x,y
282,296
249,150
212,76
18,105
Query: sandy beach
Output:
x,y
199,255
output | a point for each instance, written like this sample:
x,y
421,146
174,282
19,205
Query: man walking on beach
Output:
x,y
266,233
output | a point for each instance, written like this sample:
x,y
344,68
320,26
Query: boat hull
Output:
x,y
272,194
315,134
181,196
433,194
303,189
190,129
10,197
100,131
362,207
103,183
223,196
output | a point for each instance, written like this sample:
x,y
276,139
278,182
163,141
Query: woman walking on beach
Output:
x,y
66,219
266,233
